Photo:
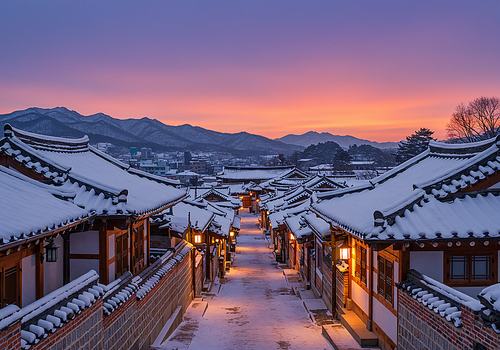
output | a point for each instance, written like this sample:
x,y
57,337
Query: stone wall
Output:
x,y
421,328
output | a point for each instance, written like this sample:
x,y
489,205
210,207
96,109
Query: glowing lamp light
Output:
x,y
197,239
231,233
51,252
292,237
345,253
241,208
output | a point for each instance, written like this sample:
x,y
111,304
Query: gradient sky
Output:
x,y
373,69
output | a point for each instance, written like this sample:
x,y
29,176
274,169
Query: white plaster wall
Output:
x,y
28,265
84,242
428,263
53,271
82,266
111,246
112,272
145,251
359,296
386,320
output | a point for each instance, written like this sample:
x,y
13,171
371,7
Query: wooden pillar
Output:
x,y
147,226
334,275
39,271
369,324
66,259
103,253
209,258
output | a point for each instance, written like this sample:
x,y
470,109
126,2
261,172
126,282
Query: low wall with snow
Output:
x,y
433,316
137,320
127,314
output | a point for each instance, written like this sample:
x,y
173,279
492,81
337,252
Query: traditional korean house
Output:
x,y
121,197
436,214
34,216
232,174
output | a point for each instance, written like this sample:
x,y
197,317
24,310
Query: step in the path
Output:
x,y
341,339
357,328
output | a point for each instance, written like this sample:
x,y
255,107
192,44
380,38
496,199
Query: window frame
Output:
x,y
360,271
469,274
385,283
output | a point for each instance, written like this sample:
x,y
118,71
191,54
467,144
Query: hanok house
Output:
x,y
436,214
34,216
121,197
199,223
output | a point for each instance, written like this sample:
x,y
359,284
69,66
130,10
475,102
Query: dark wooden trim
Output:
x,y
84,256
39,271
8,161
103,253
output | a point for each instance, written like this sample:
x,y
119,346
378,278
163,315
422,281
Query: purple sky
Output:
x,y
372,69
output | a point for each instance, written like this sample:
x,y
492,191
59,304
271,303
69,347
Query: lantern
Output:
x,y
51,252
197,239
345,251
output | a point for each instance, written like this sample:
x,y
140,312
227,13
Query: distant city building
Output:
x,y
159,167
187,157
133,151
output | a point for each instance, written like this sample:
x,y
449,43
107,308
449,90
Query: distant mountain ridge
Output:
x,y
313,138
144,132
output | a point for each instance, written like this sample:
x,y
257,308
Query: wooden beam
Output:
x,y
39,270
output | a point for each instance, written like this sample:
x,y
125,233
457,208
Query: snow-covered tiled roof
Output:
x,y
418,198
180,216
297,226
30,208
100,182
253,173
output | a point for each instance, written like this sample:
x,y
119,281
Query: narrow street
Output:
x,y
254,308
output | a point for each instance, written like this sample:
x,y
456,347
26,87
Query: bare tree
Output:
x,y
479,120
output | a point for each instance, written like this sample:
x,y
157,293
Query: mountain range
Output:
x,y
146,132
313,138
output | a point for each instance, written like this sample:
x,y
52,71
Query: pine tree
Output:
x,y
415,144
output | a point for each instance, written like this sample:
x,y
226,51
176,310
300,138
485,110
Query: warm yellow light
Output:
x,y
231,233
241,197
217,240
344,253
292,237
197,239
241,208
258,200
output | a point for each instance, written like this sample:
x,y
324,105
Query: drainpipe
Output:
x,y
369,322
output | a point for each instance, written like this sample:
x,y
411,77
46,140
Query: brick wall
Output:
x,y
421,328
199,278
327,285
137,323
84,332
10,338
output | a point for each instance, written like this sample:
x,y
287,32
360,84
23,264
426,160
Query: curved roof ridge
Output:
x,y
47,142
440,147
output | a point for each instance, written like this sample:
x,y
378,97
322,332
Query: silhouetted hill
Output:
x,y
144,132
313,138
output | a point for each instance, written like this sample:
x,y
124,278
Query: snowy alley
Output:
x,y
254,308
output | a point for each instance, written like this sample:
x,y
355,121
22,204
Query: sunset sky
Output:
x,y
377,70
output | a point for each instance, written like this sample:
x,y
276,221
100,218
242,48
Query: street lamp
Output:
x,y
51,252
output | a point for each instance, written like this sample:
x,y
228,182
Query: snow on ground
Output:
x,y
254,308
